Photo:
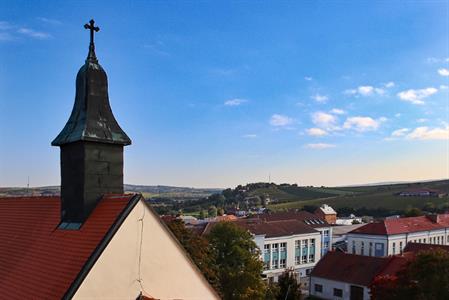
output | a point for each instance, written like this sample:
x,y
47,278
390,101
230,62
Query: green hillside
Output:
x,y
373,197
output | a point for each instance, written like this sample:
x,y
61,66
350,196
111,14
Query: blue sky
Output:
x,y
215,94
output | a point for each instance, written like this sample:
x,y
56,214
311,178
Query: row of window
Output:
x,y
275,255
337,292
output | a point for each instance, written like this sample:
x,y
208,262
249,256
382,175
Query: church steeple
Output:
x,y
91,143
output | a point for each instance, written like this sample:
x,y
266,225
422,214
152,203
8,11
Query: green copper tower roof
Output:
x,y
92,118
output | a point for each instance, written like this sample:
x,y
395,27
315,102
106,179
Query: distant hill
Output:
x,y
158,191
371,196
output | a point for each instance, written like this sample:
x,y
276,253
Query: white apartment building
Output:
x,y
390,236
293,240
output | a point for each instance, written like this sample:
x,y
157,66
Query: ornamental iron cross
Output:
x,y
92,28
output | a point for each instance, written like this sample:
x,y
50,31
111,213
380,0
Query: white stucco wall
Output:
x,y
328,289
165,270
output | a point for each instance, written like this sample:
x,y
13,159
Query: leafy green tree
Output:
x,y
202,214
199,250
220,211
413,212
289,288
212,211
425,277
237,259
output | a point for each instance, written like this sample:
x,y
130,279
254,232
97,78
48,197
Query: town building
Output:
x,y
390,236
94,241
421,192
348,277
293,240
327,213
352,219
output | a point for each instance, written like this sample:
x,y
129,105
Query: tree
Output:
x,y
220,211
289,288
424,277
202,214
413,212
238,263
199,250
212,211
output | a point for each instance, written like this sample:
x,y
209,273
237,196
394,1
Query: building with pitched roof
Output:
x,y
345,276
94,241
289,240
390,236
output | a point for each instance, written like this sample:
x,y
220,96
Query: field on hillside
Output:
x,y
373,197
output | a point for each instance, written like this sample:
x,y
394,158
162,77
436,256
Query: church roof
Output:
x,y
40,261
92,118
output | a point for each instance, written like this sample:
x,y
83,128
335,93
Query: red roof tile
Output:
x,y
39,261
418,247
349,268
275,228
403,225
302,215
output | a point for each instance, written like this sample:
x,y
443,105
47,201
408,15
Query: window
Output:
x,y
274,264
438,240
266,248
400,246
297,252
318,288
424,241
308,271
326,233
275,247
394,248
283,247
282,263
362,249
338,292
326,245
312,258
419,241
353,247
370,249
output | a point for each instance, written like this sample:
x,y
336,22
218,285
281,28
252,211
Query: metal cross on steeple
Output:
x,y
91,26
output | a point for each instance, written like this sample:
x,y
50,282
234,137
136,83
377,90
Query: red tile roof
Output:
x,y
418,247
275,228
40,261
404,225
302,215
349,268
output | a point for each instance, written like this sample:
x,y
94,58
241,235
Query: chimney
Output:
x,y
91,143
435,218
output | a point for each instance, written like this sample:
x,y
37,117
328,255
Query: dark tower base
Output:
x,y
88,171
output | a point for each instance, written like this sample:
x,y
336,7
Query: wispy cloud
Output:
x,y
422,120
157,47
235,102
337,111
389,84
308,78
249,136
362,124
278,120
316,132
324,120
434,60
49,21
426,133
365,91
320,146
443,72
400,132
320,98
417,96
40,35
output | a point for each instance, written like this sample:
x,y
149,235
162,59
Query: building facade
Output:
x,y
390,237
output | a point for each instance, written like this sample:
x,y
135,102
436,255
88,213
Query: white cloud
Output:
x,y
362,123
426,133
308,78
33,33
443,72
316,132
320,146
398,115
389,84
280,120
320,98
235,102
400,132
50,21
416,96
422,120
337,111
5,25
443,87
324,120
365,90
249,136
